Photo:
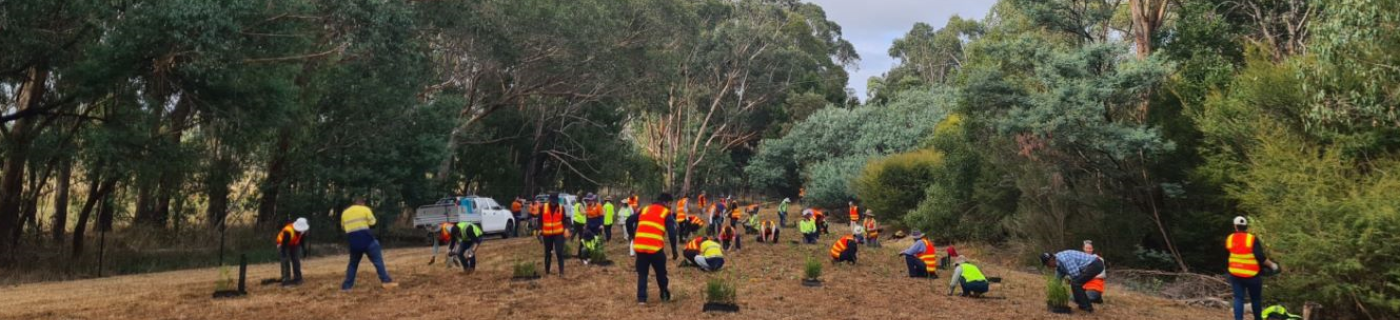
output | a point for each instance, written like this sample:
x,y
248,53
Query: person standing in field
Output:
x,y
552,232
1246,259
649,246
783,211
357,220
872,230
608,215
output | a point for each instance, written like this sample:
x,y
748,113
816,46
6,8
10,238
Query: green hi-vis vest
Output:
x,y
807,226
972,273
466,227
579,214
608,211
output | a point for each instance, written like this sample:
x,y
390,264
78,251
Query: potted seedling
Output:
x,y
1056,295
812,273
720,296
598,257
524,271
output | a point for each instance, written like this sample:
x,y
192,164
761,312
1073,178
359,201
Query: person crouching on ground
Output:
x,y
730,236
711,258
289,250
468,236
844,250
1095,288
1079,267
921,257
768,232
808,227
590,243
968,277
357,220
692,249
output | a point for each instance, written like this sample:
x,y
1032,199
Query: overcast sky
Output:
x,y
872,25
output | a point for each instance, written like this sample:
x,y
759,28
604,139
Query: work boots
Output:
x,y
665,296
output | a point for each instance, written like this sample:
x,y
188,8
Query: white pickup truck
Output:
x,y
485,213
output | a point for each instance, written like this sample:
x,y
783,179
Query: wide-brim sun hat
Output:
x,y
916,234
301,225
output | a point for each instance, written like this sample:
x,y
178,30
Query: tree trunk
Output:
x,y
96,192
272,186
216,189
12,173
60,201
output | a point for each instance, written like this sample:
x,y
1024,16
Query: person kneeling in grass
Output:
x,y
711,257
969,277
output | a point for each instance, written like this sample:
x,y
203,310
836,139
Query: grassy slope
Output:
x,y
767,276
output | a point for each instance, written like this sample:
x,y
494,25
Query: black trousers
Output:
x,y
470,263
607,232
916,267
847,256
1086,274
737,241
291,263
655,261
554,244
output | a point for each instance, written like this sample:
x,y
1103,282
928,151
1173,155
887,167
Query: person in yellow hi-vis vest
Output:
x,y
357,220
968,277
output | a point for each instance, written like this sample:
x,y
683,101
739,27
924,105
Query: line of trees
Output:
x,y
1146,126
185,116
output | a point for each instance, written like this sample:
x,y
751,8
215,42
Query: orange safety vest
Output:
x,y
855,213
1094,285
553,220
929,256
737,214
701,201
445,231
515,206
840,246
651,229
595,211
697,221
680,210
767,226
870,228
1243,263
632,201
535,209
694,244
296,236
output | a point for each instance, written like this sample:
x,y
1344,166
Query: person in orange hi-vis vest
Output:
x,y
1247,262
552,232
1094,289
844,250
649,246
289,242
853,213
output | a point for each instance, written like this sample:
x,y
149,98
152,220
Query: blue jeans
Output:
x,y
1255,287
977,287
916,267
362,243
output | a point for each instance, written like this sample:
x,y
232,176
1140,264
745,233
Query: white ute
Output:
x,y
485,213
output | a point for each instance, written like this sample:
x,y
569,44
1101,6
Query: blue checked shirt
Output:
x,y
1071,262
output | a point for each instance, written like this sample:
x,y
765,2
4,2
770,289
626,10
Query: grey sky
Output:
x,y
872,25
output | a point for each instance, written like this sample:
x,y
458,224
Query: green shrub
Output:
x,y
891,186
524,269
719,290
812,269
598,255
1056,291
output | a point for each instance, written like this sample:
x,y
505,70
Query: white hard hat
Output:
x,y
1240,221
301,225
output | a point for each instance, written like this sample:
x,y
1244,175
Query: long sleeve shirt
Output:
x,y
1072,262
957,275
915,249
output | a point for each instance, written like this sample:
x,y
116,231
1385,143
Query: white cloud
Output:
x,y
872,25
